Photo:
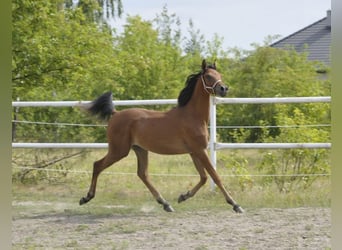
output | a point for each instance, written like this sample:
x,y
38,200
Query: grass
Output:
x,y
120,190
55,195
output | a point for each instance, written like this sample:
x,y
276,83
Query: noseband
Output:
x,y
207,88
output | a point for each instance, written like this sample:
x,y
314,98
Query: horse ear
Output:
x,y
204,65
214,64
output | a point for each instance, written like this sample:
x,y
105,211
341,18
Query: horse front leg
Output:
x,y
204,159
203,180
142,157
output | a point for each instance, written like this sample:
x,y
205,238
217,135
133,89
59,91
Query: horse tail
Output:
x,y
102,106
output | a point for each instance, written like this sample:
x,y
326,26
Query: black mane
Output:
x,y
190,84
186,93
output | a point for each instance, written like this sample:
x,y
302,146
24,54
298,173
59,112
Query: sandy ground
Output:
x,y
265,228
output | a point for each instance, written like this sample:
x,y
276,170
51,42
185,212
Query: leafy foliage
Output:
x,y
150,68
98,10
270,72
58,55
291,168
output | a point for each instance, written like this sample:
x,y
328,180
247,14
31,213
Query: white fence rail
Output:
x,y
216,100
80,103
265,100
213,145
217,146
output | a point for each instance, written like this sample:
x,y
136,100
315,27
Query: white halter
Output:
x,y
206,87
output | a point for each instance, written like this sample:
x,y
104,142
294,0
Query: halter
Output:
x,y
206,87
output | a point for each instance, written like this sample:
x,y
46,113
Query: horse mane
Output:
x,y
186,93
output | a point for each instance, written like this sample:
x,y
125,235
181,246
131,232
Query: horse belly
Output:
x,y
168,149
160,139
162,145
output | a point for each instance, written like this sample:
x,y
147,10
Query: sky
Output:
x,y
239,22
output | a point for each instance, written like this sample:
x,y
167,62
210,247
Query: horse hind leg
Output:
x,y
142,157
98,167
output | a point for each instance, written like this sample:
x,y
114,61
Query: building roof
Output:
x,y
314,39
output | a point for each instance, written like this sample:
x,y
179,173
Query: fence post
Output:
x,y
212,137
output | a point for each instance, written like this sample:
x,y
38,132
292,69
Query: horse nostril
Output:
x,y
224,88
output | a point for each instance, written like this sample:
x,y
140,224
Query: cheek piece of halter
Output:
x,y
207,88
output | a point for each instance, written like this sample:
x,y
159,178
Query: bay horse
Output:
x,y
182,129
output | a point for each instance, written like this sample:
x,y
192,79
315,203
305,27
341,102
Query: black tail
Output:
x,y
103,106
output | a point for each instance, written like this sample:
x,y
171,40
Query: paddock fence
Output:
x,y
213,144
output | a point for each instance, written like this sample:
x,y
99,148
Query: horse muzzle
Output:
x,y
221,90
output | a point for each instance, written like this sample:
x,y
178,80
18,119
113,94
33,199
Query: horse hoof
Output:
x,y
83,200
181,198
238,209
168,208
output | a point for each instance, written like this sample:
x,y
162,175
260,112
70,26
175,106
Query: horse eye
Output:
x,y
210,78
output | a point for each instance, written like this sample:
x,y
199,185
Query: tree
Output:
x,y
168,28
58,55
196,42
214,48
270,72
98,10
150,68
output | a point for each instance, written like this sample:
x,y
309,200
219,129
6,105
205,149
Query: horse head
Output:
x,y
212,80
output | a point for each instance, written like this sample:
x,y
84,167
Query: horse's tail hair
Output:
x,y
102,106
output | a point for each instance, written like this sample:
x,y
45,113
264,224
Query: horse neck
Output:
x,y
199,102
